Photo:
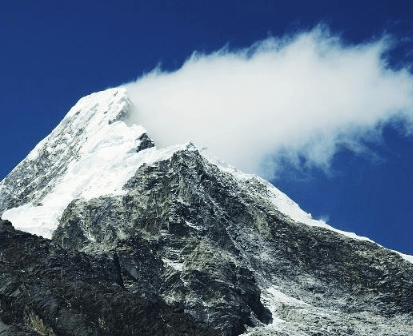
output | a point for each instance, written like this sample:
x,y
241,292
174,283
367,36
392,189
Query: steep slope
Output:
x,y
226,249
93,151
47,290
223,241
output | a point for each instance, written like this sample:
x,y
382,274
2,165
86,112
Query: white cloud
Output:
x,y
296,98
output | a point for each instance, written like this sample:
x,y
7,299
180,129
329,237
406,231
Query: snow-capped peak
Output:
x,y
92,152
88,116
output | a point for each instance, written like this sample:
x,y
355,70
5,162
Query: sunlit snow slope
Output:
x,y
92,152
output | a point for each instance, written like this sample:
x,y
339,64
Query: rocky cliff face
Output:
x,y
217,247
47,290
186,244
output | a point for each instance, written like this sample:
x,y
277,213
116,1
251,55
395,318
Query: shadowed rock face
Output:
x,y
47,290
217,248
145,142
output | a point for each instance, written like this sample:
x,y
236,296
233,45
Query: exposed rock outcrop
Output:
x,y
217,247
145,142
46,290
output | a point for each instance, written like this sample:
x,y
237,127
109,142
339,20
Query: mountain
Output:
x,y
103,233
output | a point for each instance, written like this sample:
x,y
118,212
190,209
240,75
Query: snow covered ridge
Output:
x,y
93,152
282,202
285,204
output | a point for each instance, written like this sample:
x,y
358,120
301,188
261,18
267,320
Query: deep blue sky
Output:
x,y
54,52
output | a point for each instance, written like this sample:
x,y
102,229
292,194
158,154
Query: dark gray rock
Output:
x,y
216,247
144,142
47,290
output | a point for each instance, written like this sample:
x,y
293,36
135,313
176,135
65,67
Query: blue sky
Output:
x,y
54,52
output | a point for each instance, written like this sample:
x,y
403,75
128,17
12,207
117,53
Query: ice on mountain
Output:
x,y
94,151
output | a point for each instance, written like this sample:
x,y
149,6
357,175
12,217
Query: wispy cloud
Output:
x,y
296,99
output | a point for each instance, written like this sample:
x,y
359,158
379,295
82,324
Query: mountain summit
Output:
x,y
176,235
